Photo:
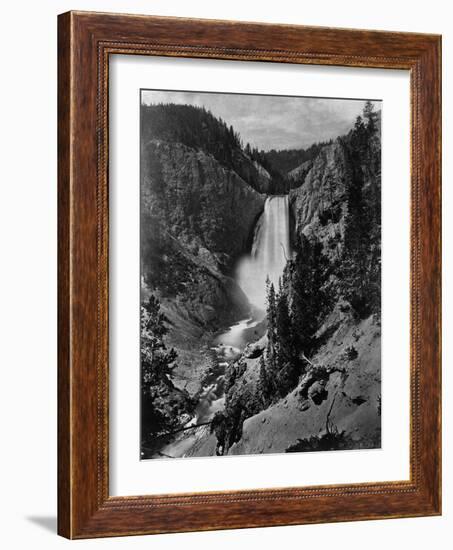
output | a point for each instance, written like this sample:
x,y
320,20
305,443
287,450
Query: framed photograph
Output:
x,y
249,275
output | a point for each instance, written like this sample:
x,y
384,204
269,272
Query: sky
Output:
x,y
272,122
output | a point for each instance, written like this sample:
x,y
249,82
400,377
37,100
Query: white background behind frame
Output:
x,y
29,464
129,475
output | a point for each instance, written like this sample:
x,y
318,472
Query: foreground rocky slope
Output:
x,y
339,395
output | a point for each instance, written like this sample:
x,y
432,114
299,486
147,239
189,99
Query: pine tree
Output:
x,y
309,300
359,140
355,238
361,252
271,315
293,315
270,311
370,116
161,403
284,330
157,362
286,350
264,384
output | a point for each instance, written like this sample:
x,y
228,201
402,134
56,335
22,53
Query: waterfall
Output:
x,y
270,251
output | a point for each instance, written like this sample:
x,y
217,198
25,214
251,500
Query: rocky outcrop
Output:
x,y
252,172
318,205
207,207
255,349
337,395
297,175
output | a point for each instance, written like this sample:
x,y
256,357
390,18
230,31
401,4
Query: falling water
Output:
x,y
270,251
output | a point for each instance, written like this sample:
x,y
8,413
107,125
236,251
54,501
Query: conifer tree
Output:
x,y
361,252
370,116
284,330
309,301
270,311
157,362
286,351
264,384
271,315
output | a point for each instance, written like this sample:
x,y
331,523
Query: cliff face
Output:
x,y
206,206
319,205
252,172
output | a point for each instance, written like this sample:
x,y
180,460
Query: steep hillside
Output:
x,y
287,160
297,175
207,207
199,129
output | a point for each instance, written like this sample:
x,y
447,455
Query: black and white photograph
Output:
x,y
226,291
260,274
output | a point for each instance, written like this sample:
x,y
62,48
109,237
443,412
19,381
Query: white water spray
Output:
x,y
270,251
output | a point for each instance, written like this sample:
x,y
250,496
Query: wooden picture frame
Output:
x,y
85,42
